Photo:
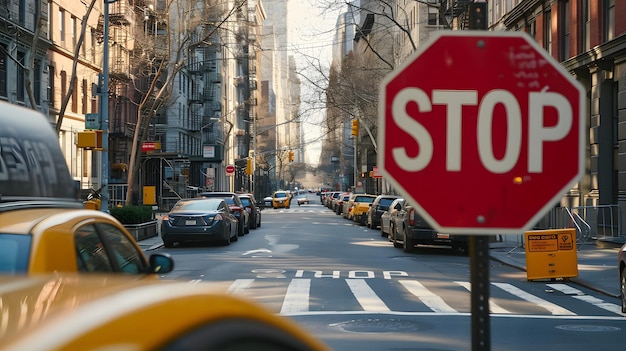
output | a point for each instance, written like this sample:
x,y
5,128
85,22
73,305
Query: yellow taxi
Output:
x,y
361,204
44,227
281,199
115,312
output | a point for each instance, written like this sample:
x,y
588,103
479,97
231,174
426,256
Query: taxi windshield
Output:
x,y
14,253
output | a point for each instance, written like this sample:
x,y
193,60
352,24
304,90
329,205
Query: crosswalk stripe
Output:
x,y
297,296
431,300
493,306
579,295
552,308
366,296
240,285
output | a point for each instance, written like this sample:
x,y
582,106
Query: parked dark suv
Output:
x,y
379,206
413,230
236,206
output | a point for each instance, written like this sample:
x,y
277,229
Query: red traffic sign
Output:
x,y
483,132
230,170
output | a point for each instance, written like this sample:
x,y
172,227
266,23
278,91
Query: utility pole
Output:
x,y
104,113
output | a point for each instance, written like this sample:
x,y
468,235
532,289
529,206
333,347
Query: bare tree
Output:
x,y
191,30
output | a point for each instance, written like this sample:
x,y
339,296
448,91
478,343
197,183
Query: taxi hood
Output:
x,y
32,165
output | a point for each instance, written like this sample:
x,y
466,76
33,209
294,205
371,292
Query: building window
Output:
x,y
22,12
92,46
37,81
73,31
51,86
547,31
62,25
63,83
49,34
564,24
21,75
609,20
85,95
585,23
75,97
433,16
3,71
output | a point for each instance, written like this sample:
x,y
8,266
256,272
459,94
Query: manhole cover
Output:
x,y
588,328
376,325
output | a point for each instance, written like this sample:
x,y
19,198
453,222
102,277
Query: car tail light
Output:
x,y
166,217
411,217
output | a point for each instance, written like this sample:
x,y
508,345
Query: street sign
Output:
x,y
483,132
230,170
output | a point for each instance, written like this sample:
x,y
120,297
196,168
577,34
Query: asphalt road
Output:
x,y
352,289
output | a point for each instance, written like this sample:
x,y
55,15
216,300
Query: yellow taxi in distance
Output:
x,y
281,199
115,312
360,206
44,227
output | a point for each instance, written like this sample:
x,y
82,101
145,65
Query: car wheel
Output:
x,y
253,225
363,219
407,244
382,232
623,289
234,237
246,228
168,244
240,228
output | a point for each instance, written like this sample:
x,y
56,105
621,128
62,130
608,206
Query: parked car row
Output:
x,y
397,219
220,217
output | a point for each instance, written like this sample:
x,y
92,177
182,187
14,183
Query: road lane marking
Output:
x,y
431,300
297,296
239,285
366,297
493,306
552,308
579,295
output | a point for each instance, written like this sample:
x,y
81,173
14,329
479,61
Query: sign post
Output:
x,y
483,133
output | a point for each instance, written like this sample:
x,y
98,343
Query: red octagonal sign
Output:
x,y
482,132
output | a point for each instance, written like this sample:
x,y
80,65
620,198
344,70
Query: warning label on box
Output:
x,y
542,242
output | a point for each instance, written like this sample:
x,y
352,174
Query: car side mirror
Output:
x,y
161,263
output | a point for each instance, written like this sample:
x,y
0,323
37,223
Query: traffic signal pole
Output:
x,y
104,113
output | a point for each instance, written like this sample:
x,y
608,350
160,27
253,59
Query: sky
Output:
x,y
311,33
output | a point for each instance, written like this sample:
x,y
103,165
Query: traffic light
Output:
x,y
478,15
355,127
249,166
290,156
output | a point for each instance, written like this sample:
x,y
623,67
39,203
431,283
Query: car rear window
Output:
x,y
209,204
280,195
14,253
245,201
385,202
364,199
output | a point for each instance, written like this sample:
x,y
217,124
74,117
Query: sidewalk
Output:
x,y
597,267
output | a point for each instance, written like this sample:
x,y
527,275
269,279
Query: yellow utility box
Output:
x,y
551,254
149,195
90,139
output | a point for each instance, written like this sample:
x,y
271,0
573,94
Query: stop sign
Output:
x,y
482,132
230,170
